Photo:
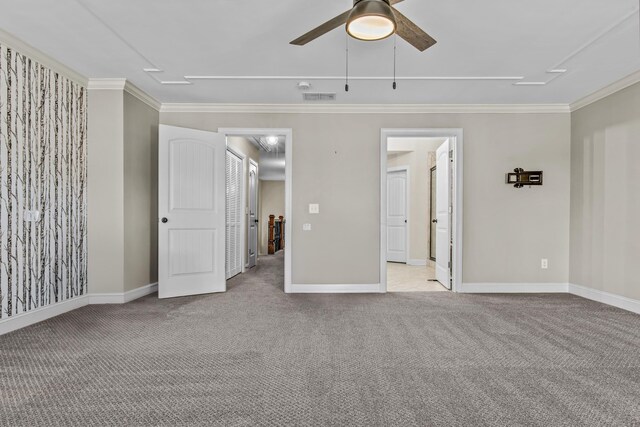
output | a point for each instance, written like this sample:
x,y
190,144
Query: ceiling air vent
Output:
x,y
318,97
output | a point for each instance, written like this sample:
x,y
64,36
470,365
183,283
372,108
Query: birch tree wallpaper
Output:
x,y
43,169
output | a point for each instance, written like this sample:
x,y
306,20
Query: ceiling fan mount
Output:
x,y
372,20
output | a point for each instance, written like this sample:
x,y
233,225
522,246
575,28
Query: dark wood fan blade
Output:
x,y
412,33
322,29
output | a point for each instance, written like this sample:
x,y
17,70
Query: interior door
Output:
x,y
397,216
253,214
443,203
191,196
234,215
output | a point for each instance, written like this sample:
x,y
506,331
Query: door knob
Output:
x,y
164,220
435,221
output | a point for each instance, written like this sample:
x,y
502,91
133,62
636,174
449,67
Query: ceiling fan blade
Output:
x,y
395,1
322,29
412,33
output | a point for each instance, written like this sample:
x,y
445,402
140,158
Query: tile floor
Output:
x,y
409,278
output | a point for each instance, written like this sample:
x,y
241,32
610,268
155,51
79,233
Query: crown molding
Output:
x,y
107,84
617,86
142,96
126,86
42,58
366,108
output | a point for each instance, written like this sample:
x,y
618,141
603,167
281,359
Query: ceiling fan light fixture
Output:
x,y
371,20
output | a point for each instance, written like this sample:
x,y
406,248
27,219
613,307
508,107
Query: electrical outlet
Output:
x,y
544,263
306,227
314,208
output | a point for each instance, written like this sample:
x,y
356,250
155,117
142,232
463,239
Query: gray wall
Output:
x,y
336,163
140,193
106,191
123,177
605,194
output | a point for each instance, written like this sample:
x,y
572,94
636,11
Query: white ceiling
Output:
x,y
484,47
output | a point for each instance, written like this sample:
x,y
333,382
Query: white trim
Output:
x,y
136,92
243,197
288,187
614,87
123,297
258,233
335,289
407,207
513,288
417,262
365,108
605,298
126,86
23,320
107,84
456,136
38,315
42,58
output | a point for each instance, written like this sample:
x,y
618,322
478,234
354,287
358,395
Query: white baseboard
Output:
x,y
19,321
513,288
605,298
417,262
123,297
336,289
35,316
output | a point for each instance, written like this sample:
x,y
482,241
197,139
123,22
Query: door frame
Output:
x,y
246,252
407,208
243,227
288,186
457,135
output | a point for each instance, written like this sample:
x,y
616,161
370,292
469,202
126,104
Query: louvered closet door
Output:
x,y
234,215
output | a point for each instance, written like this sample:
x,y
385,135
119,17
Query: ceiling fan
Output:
x,y
371,20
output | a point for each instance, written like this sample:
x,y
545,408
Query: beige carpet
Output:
x,y
409,278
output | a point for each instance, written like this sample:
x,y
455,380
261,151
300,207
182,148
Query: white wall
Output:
x,y
605,194
416,153
336,164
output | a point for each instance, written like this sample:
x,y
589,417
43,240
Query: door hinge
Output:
x,y
451,155
450,209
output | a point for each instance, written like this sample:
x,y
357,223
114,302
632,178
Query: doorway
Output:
x,y
421,207
272,172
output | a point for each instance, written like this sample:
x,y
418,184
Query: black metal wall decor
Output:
x,y
519,178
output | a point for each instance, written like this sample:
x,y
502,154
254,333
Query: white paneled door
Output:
x,y
253,214
443,214
397,216
234,215
191,196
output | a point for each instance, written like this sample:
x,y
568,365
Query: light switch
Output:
x,y
314,208
306,227
32,216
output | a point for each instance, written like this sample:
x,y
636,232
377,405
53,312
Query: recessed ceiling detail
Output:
x,y
188,55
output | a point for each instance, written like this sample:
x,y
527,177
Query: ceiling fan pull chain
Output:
x,y
346,85
395,39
